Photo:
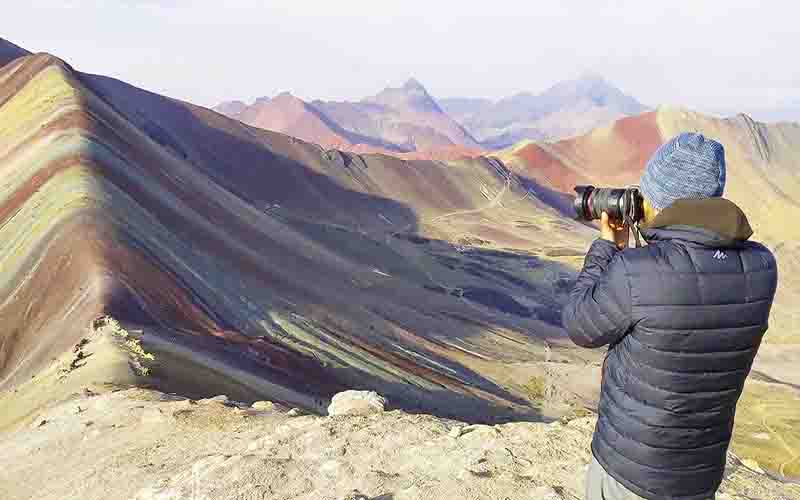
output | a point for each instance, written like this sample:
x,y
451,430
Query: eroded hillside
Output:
x,y
316,269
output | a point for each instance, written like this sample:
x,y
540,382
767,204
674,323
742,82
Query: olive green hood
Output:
x,y
707,221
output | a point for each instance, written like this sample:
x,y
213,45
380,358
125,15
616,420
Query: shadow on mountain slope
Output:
x,y
270,251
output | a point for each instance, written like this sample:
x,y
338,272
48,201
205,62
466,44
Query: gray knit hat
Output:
x,y
688,166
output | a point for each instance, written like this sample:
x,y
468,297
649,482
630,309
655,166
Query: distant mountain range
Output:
x,y
408,119
403,120
566,109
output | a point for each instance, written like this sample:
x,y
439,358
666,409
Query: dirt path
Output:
x,y
493,203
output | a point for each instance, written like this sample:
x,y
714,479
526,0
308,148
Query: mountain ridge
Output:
x,y
411,96
567,108
409,118
403,121
384,454
10,51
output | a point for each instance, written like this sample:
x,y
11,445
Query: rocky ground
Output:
x,y
86,428
146,445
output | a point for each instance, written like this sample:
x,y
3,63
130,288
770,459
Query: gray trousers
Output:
x,y
600,485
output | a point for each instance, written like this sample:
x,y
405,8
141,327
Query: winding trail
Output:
x,y
493,203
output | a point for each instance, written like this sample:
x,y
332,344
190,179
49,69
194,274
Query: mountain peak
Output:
x,y
412,84
283,99
230,108
586,83
411,96
593,86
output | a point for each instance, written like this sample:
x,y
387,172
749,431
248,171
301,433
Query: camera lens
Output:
x,y
590,202
582,202
609,200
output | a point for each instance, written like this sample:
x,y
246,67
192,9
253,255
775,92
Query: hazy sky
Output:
x,y
702,54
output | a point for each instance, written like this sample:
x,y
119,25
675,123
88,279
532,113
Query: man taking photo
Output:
x,y
683,318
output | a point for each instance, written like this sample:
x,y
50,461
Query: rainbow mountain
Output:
x,y
310,268
293,271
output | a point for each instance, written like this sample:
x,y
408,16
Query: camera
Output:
x,y
622,204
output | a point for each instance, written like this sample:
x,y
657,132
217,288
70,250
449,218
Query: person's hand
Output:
x,y
614,231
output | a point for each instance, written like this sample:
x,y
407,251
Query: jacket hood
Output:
x,y
709,221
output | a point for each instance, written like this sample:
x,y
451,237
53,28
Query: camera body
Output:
x,y
622,204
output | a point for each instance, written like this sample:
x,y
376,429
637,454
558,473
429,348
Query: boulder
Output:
x,y
263,405
357,403
221,399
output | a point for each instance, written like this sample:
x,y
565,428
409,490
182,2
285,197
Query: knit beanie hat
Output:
x,y
688,166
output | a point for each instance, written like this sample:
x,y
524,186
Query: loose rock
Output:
x,y
355,495
263,405
221,399
357,403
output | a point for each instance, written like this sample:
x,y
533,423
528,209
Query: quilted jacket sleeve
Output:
x,y
599,309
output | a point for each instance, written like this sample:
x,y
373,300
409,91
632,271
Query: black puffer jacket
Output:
x,y
684,317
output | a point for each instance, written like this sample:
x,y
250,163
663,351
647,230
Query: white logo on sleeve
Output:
x,y
720,255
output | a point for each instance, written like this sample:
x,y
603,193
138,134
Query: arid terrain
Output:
x,y
107,442
252,264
